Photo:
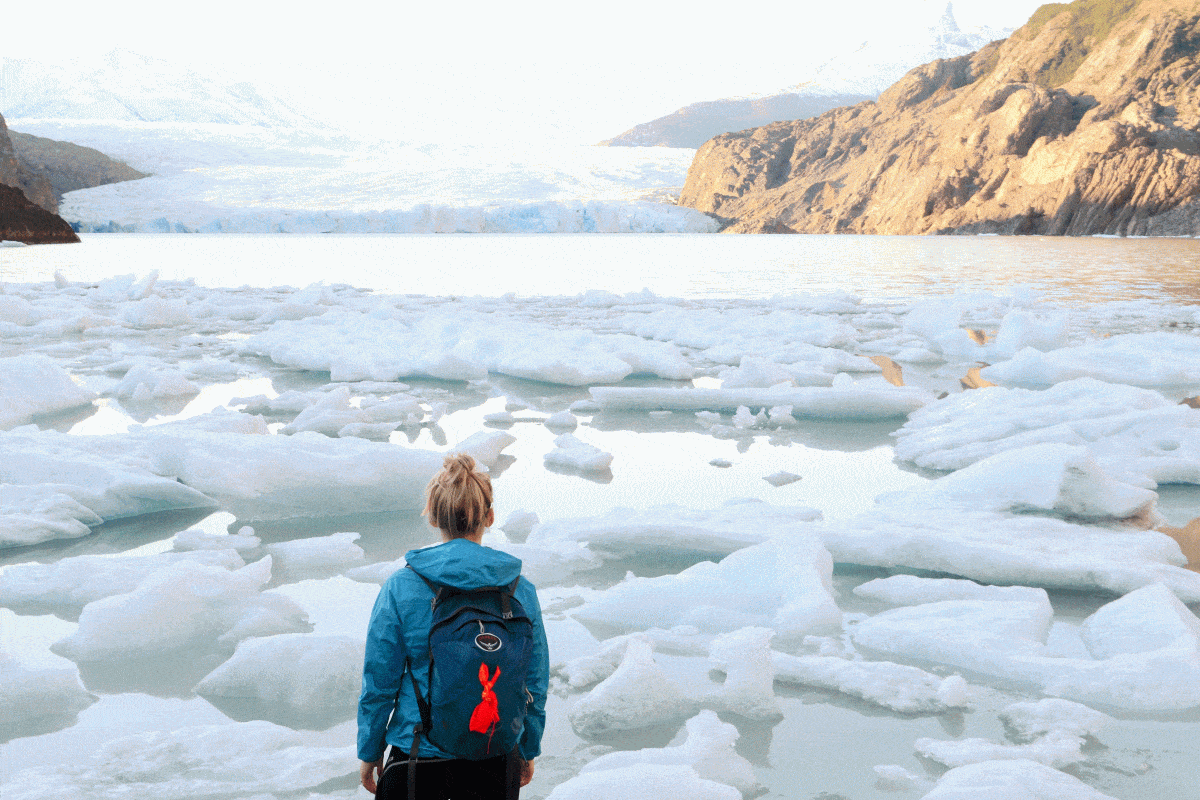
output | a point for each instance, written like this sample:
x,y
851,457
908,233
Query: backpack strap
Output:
x,y
424,725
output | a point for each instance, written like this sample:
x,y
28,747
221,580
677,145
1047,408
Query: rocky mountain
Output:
x,y
13,172
1086,120
846,79
67,167
23,199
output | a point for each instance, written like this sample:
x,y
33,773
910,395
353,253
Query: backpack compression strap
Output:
x,y
425,724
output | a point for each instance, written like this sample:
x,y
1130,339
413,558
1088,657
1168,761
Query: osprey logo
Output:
x,y
488,642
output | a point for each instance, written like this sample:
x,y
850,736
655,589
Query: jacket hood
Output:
x,y
462,564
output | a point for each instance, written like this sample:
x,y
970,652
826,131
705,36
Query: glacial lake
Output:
x,y
826,744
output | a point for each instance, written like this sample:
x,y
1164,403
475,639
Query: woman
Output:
x,y
458,501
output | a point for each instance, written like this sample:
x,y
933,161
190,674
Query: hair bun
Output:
x,y
459,462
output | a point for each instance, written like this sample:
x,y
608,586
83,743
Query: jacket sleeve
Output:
x,y
538,679
383,671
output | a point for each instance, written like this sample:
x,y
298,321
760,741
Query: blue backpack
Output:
x,y
479,649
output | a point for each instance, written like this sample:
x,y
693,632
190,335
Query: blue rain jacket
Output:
x,y
399,630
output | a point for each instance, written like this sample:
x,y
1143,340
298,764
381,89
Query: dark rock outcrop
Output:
x,y
22,221
1086,120
68,167
695,124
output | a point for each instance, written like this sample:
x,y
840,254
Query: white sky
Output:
x,y
593,68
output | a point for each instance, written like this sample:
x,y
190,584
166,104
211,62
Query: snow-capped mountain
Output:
x,y
885,57
123,86
848,78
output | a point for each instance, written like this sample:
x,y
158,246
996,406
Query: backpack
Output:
x,y
479,650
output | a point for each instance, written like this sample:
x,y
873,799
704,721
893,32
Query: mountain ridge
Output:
x,y
1085,120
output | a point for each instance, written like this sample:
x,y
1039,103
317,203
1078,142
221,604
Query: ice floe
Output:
x,y
869,399
32,385
1157,359
183,604
34,698
572,453
1134,434
896,686
296,673
1018,779
638,694
784,584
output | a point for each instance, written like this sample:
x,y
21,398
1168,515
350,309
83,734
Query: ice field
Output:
x,y
767,569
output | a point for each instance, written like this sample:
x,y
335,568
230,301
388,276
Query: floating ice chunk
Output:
x,y
708,749
1136,435
499,418
1028,720
1020,779
208,761
105,473
573,454
34,698
587,670
969,634
571,643
333,412
721,463
999,548
584,406
17,311
155,312
35,514
909,590
290,401
296,672
196,539
519,524
485,446
637,695
1005,640
745,658
461,346
31,385
1055,749
895,778
185,604
1139,359
318,556
896,686
1144,620
784,584
368,430
674,530
1044,477
871,398
757,373
562,421
144,382
781,478
643,780
744,419
65,586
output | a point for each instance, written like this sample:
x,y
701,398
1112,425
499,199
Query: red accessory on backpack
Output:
x,y
487,713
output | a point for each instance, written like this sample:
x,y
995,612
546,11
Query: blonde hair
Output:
x,y
458,498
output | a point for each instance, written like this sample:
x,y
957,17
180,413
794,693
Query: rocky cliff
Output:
x,y
13,173
1086,120
68,167
23,197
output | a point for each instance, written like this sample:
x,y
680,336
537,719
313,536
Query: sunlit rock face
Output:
x,y
1084,121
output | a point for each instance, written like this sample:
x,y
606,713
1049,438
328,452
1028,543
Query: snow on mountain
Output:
x,y
889,51
124,86
886,55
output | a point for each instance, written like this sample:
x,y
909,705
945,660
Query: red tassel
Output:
x,y
487,714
